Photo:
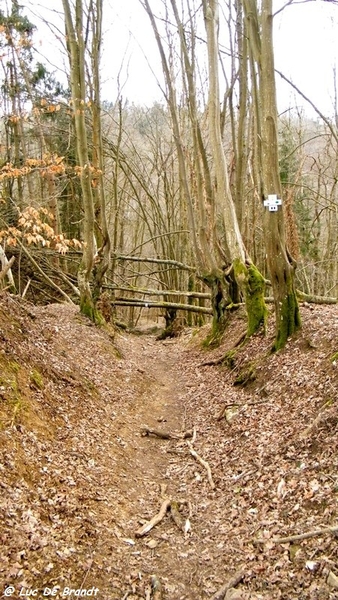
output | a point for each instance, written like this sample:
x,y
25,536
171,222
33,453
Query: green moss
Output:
x,y
17,410
88,309
289,321
214,338
36,379
229,358
252,285
255,303
246,375
334,357
14,367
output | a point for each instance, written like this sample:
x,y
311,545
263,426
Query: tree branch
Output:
x,y
204,463
160,261
235,580
187,307
305,536
325,119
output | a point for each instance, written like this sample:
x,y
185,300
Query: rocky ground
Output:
x,y
80,480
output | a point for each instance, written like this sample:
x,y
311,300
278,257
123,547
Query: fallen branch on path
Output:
x,y
204,463
236,579
305,536
155,520
173,506
165,435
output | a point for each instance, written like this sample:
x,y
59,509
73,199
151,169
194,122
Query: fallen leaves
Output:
x,y
75,481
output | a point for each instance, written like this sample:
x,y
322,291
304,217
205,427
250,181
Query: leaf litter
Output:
x,y
78,479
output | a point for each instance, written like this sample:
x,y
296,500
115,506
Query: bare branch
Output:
x,y
325,119
160,261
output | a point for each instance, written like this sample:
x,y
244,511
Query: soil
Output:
x,y
79,477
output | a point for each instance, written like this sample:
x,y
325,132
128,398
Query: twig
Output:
x,y
87,572
155,520
237,578
204,463
193,436
26,289
304,536
165,435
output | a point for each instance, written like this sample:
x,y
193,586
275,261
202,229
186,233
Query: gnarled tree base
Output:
x,y
244,279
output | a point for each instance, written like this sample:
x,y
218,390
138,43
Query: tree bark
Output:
x,y
102,258
246,276
76,53
280,263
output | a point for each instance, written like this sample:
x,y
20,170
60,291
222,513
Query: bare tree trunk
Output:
x,y
214,244
76,51
102,258
280,263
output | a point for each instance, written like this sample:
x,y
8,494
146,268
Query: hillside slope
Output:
x,y
78,477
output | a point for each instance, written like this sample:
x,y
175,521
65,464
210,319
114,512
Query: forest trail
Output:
x,y
78,478
102,475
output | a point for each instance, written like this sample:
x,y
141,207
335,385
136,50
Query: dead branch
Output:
x,y
236,579
135,290
159,261
312,299
43,274
305,536
155,520
156,588
204,463
188,307
165,435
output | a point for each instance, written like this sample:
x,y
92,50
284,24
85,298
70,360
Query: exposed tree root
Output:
x,y
305,536
155,520
204,463
167,504
165,435
235,580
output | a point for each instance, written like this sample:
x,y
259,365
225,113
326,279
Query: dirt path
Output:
x,y
78,479
152,467
83,475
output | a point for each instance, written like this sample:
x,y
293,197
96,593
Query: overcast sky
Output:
x,y
306,49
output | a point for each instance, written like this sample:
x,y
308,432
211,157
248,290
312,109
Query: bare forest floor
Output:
x,y
78,478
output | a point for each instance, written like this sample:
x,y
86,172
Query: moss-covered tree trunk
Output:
x,y
281,266
246,278
211,213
